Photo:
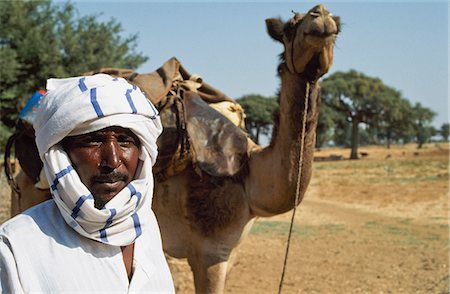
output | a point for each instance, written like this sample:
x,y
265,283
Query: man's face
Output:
x,y
106,160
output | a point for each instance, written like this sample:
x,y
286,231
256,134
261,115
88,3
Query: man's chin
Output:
x,y
104,192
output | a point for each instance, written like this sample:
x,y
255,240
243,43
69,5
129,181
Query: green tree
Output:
x,y
423,117
403,127
445,131
359,97
259,112
325,125
39,39
329,122
395,123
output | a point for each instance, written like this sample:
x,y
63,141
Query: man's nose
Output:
x,y
110,153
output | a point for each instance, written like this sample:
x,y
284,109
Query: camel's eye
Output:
x,y
289,30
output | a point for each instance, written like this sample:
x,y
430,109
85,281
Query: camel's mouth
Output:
x,y
319,40
323,36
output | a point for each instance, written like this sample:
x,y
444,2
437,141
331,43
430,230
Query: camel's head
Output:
x,y
308,40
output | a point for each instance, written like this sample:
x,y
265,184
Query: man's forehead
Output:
x,y
112,130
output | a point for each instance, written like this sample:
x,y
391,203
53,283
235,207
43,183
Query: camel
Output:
x,y
204,218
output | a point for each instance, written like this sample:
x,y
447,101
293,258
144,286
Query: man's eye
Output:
x,y
126,140
90,141
93,143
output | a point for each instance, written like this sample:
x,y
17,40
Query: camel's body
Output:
x,y
206,222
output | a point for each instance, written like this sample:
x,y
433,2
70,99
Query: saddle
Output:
x,y
201,125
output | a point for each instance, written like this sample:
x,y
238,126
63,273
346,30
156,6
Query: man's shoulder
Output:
x,y
33,217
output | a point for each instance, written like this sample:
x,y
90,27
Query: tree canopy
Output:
x,y
394,123
445,131
259,112
422,118
332,126
39,39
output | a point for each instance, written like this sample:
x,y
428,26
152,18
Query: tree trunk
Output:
x,y
355,139
258,130
389,138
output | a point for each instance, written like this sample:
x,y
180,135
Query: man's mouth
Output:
x,y
110,178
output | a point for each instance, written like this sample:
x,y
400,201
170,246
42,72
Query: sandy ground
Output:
x,y
376,225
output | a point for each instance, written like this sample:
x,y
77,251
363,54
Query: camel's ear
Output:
x,y
275,28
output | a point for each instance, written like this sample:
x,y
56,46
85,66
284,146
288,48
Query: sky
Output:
x,y
404,43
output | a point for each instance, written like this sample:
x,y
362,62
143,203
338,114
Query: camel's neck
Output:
x,y
272,182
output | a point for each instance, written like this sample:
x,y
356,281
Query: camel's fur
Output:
x,y
203,218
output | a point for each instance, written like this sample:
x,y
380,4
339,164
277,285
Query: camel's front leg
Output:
x,y
209,279
209,266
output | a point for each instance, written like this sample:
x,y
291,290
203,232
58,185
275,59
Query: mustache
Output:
x,y
112,177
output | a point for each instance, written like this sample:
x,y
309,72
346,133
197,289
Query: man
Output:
x,y
96,136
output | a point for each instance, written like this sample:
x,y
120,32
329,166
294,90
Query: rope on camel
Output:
x,y
297,192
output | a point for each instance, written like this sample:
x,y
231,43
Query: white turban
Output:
x,y
80,105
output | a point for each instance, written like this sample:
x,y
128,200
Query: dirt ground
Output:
x,y
376,225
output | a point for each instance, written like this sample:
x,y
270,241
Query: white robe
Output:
x,y
40,253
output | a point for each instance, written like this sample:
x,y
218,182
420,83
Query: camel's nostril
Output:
x,y
318,10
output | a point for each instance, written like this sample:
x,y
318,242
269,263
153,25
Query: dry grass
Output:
x,y
401,180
